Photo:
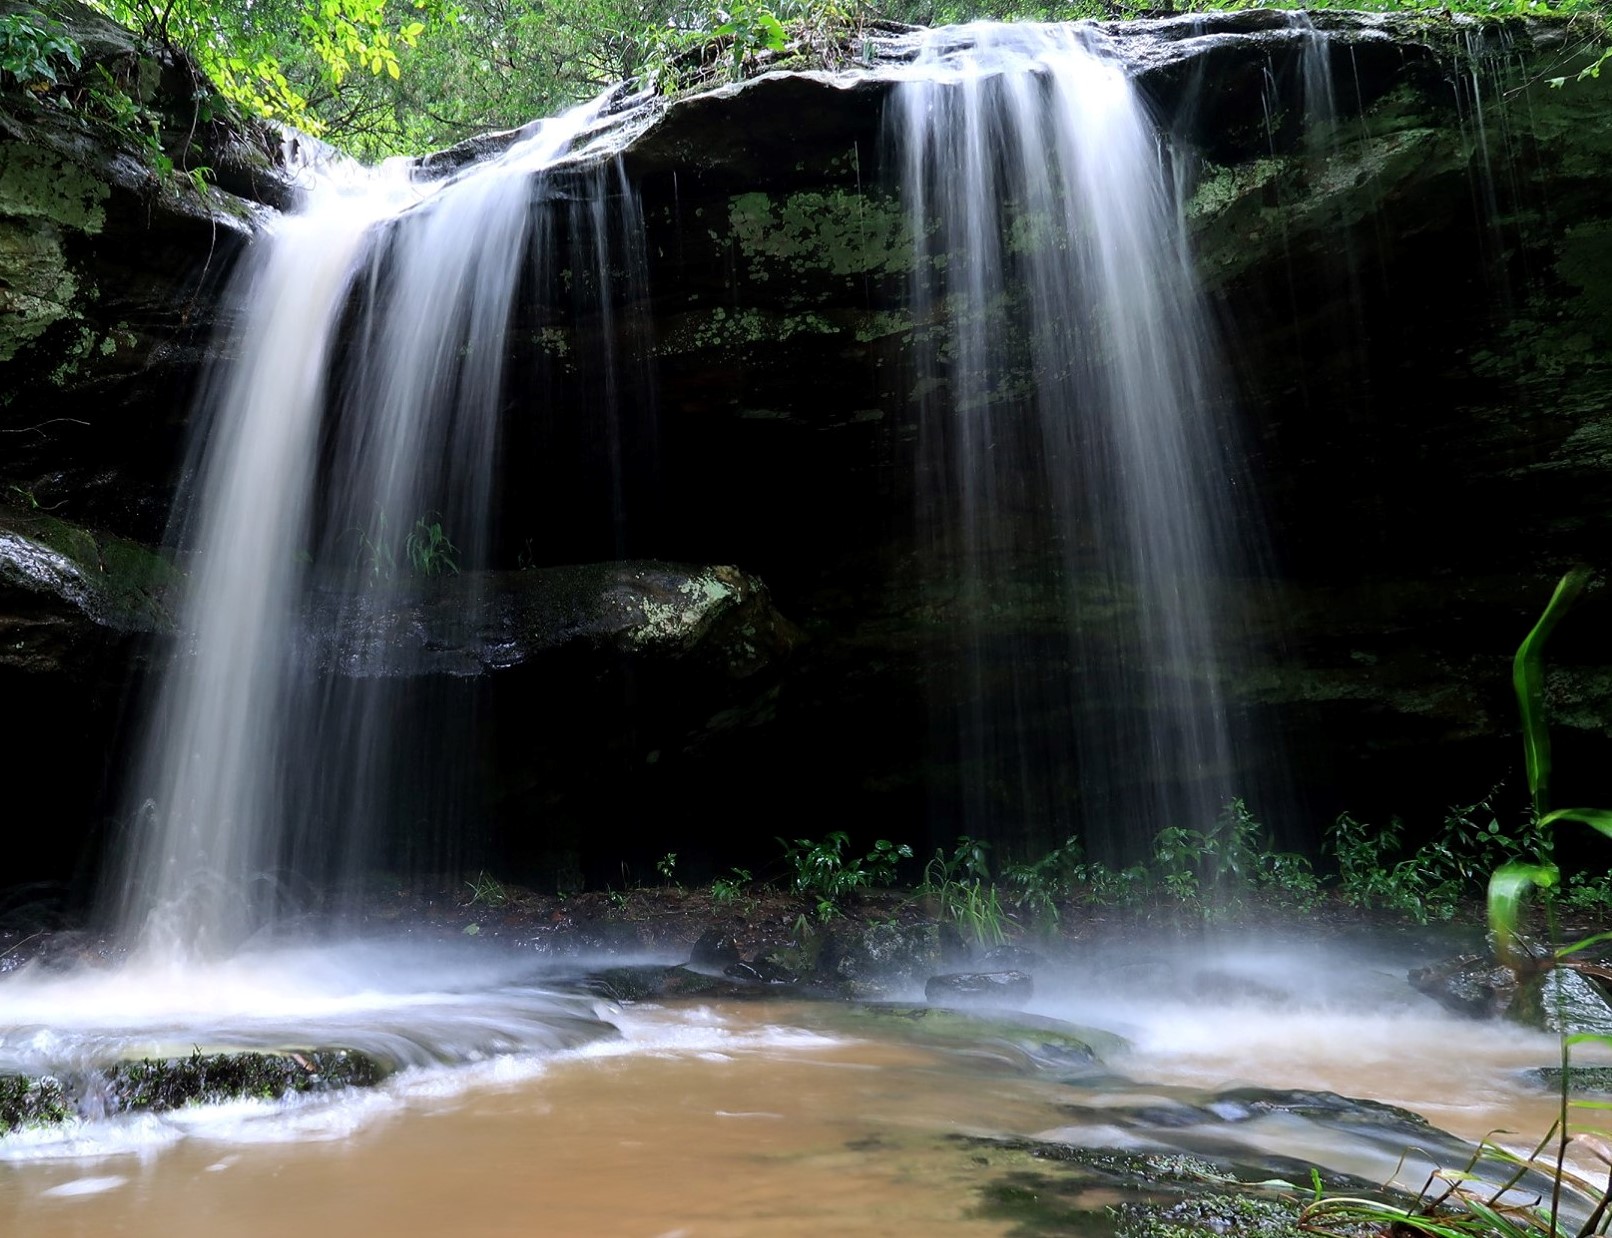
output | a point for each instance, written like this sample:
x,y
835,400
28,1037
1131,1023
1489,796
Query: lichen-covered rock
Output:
x,y
719,619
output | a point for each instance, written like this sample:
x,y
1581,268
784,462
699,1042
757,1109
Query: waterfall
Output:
x,y
1068,394
345,448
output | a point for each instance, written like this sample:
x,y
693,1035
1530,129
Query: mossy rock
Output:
x,y
112,581
155,1085
1581,1080
1245,1215
1029,1042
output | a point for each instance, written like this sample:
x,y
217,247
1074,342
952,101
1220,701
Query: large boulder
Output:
x,y
113,256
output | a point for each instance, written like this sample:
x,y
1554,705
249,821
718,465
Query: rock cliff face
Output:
x,y
1414,291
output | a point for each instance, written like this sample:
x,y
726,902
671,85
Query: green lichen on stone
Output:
x,y
36,183
680,621
1221,187
1211,1214
36,288
882,324
723,329
837,232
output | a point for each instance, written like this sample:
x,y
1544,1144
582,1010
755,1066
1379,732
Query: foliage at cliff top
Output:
x,y
382,77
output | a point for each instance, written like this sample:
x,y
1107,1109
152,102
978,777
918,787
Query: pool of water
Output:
x,y
524,1107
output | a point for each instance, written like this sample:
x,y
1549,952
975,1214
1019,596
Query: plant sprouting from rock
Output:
x,y
33,48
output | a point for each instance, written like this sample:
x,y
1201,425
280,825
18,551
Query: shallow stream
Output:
x,y
524,1106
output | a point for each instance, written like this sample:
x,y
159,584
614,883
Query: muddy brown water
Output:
x,y
733,1119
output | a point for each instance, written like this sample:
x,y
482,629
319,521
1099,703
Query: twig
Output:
x,y
40,428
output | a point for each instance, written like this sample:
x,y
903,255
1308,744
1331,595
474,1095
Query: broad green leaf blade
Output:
x,y
1528,678
1508,887
1596,939
1596,818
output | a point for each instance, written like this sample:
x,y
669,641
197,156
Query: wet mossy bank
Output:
x,y
1410,293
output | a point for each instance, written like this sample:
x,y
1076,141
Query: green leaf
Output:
x,y
1508,887
1528,678
773,29
1596,818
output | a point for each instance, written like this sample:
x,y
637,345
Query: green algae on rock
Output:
x,y
157,1085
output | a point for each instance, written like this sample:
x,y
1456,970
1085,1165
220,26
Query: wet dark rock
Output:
x,y
627,984
780,966
995,988
66,589
879,959
760,971
1212,1213
1009,957
1241,1104
1044,1187
657,982
681,982
1478,985
715,948
1581,1080
1563,1001
1536,993
157,1085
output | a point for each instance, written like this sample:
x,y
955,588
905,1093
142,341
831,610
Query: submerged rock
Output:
x,y
157,1085
992,988
1031,1043
1580,1079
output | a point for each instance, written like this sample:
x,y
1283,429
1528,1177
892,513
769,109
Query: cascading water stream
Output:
x,y
362,409
1068,392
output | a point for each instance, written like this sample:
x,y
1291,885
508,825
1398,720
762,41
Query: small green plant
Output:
x,y
376,558
1431,883
487,891
1038,886
1215,869
728,889
961,884
426,550
824,872
666,866
32,48
429,551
